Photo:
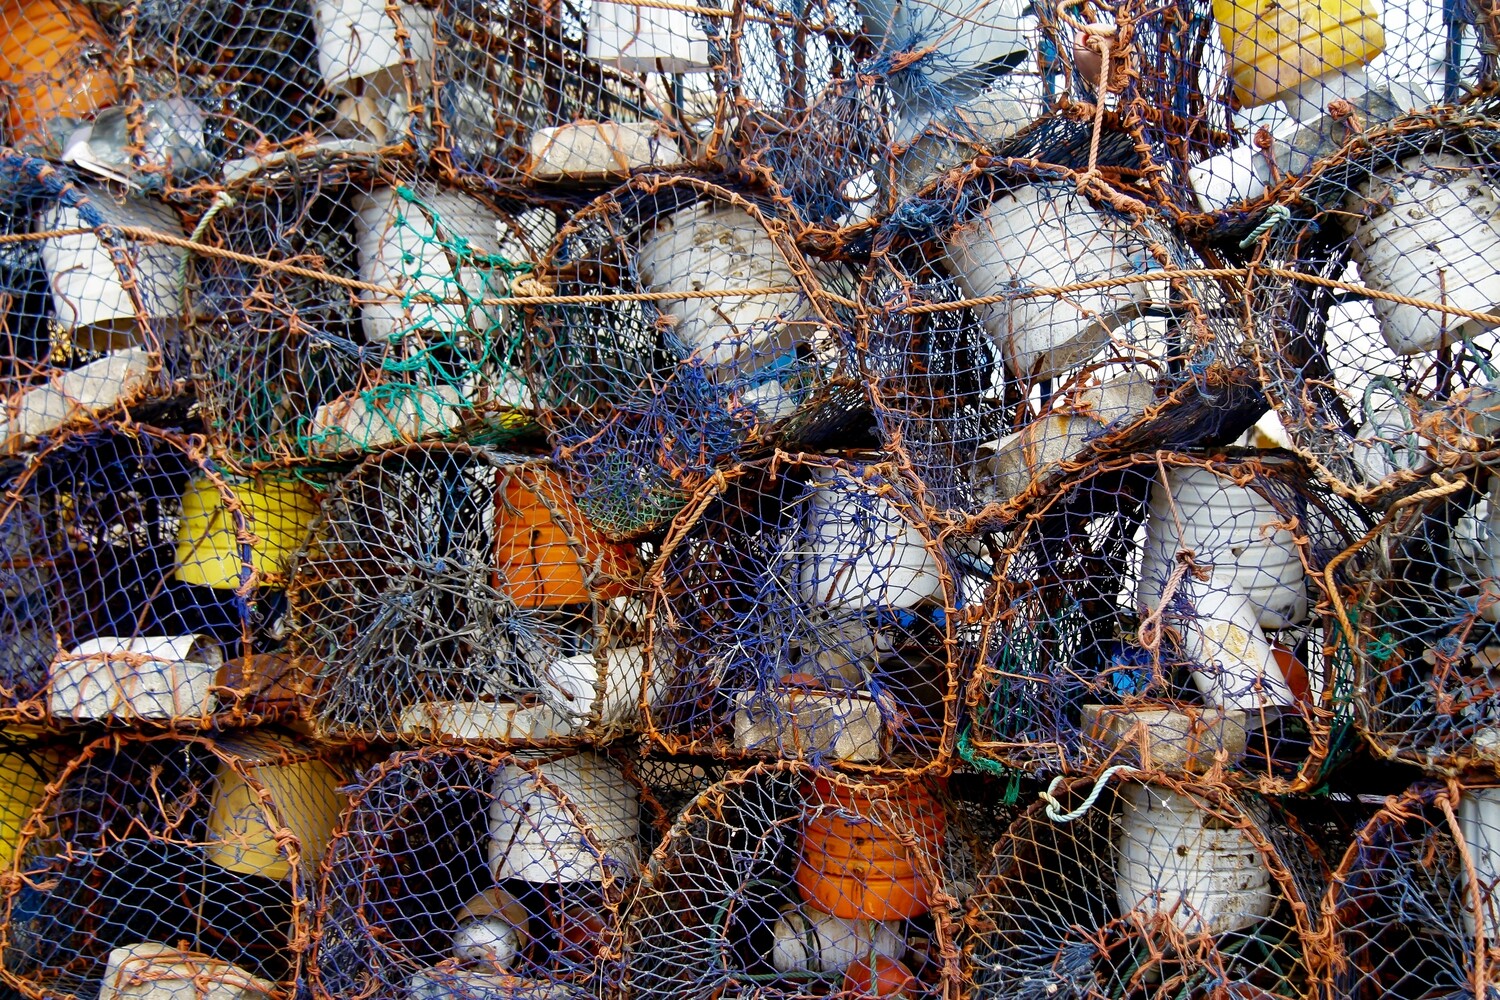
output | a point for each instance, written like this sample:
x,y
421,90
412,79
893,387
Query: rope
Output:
x,y
1275,216
1054,807
1164,274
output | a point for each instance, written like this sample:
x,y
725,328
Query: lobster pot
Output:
x,y
474,872
803,611
647,400
1237,532
1077,674
1429,232
1038,236
455,591
1358,381
295,367
1159,885
107,297
108,614
975,435
576,94
132,845
1428,687
792,878
1414,897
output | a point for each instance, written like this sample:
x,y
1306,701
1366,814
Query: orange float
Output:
x,y
540,566
854,864
50,59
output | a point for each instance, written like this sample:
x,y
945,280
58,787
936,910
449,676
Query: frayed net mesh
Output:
x,y
1156,890
450,590
804,612
167,859
1170,613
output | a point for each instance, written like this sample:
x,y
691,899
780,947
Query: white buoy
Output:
x,y
857,551
534,837
1177,861
642,40
1035,237
1478,816
357,42
807,940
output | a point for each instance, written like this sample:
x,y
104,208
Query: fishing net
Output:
x,y
1371,337
168,860
302,364
133,570
1170,612
1412,906
1151,889
803,610
1426,622
479,874
987,372
1234,102
89,320
454,591
644,401
790,881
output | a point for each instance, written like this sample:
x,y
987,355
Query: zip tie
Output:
x,y
1275,216
1054,807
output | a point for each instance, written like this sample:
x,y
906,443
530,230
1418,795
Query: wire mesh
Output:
x,y
476,873
1363,339
297,366
643,401
454,591
804,610
1172,612
133,570
1411,908
170,861
90,317
1154,889
1425,627
791,881
990,368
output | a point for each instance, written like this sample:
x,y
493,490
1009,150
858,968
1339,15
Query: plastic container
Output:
x,y
154,971
146,677
1431,234
490,929
303,797
808,941
1034,237
1478,816
277,512
89,300
857,551
547,559
1174,860
78,395
709,246
1277,48
402,247
54,57
644,40
534,837
357,42
23,786
1226,527
1237,669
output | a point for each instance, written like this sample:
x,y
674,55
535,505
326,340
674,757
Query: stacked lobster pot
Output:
x,y
861,500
